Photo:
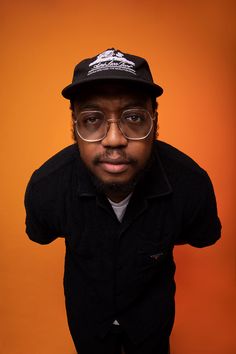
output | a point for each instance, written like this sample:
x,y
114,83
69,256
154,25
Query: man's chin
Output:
x,y
114,187
118,187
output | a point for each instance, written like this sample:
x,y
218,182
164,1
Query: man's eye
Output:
x,y
134,118
92,119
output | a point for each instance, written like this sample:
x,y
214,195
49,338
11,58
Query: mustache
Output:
x,y
120,158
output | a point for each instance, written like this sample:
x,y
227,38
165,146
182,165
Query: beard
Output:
x,y
121,188
115,187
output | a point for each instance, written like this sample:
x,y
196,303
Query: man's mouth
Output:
x,y
114,165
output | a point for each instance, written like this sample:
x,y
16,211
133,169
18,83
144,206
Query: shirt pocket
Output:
x,y
152,255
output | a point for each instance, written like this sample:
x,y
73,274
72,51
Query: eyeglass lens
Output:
x,y
133,123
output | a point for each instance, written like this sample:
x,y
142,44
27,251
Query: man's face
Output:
x,y
115,160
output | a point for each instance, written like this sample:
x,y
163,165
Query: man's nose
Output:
x,y
114,137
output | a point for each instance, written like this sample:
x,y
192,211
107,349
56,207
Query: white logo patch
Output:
x,y
111,60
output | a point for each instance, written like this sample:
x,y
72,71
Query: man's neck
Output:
x,y
117,196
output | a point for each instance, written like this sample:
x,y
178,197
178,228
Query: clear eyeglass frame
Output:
x,y
109,121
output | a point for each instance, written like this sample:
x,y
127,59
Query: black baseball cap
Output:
x,y
113,65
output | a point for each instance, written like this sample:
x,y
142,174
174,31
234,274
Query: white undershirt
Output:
x,y
119,209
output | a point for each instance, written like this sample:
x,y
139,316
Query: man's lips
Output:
x,y
114,165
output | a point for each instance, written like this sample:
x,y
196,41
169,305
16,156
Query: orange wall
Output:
x,y
189,45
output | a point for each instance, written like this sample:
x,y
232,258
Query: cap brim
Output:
x,y
73,89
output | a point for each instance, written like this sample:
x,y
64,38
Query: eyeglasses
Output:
x,y
93,126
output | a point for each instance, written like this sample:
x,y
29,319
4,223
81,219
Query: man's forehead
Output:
x,y
111,90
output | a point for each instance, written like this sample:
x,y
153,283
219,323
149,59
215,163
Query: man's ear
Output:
x,y
73,116
156,115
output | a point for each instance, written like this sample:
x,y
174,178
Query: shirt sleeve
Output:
x,y
41,214
201,224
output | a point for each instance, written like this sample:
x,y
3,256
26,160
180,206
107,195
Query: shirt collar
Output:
x,y
85,187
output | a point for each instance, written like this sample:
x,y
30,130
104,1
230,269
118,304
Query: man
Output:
x,y
122,200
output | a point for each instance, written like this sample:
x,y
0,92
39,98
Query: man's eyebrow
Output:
x,y
88,106
131,103
135,103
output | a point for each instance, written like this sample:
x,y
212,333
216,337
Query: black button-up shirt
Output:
x,y
123,271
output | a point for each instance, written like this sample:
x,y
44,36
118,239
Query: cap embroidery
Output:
x,y
111,59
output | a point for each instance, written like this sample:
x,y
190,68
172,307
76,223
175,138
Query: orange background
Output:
x,y
190,47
